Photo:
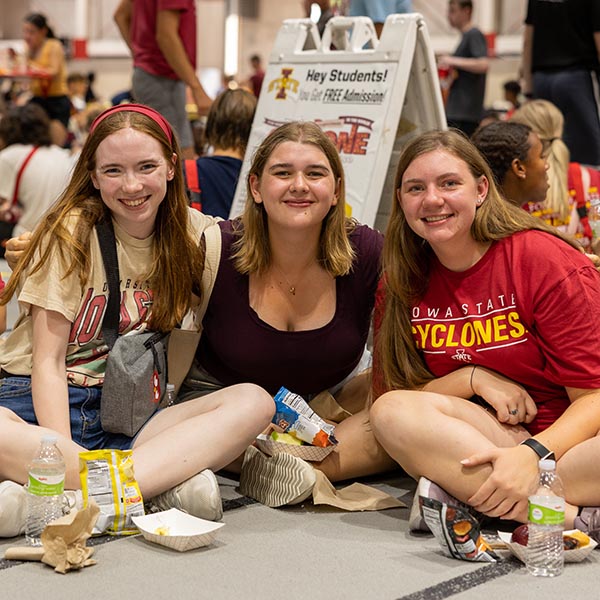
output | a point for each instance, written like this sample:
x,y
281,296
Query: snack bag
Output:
x,y
107,477
294,416
456,531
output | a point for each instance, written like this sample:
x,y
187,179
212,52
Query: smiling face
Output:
x,y
131,174
297,186
439,196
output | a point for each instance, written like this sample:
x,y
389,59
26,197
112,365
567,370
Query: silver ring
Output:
x,y
515,411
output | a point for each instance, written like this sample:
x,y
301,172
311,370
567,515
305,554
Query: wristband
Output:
x,y
471,379
539,449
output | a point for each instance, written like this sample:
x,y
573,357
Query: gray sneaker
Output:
x,y
13,507
276,480
429,489
199,496
588,521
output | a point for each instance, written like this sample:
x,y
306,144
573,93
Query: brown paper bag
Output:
x,y
354,497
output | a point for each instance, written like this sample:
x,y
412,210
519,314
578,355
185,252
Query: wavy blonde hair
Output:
x,y
252,250
176,268
407,257
547,121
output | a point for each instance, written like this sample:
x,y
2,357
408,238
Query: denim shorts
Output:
x,y
84,406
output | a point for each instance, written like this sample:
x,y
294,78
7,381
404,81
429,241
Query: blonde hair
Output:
x,y
407,256
252,250
547,121
176,268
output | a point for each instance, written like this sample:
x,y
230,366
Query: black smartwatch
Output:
x,y
539,449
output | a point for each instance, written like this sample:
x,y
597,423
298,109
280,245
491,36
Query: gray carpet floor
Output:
x,y
295,553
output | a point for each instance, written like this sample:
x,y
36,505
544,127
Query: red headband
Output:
x,y
139,108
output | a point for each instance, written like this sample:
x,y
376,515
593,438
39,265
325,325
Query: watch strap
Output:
x,y
539,449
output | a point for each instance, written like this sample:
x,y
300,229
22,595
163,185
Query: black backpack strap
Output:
x,y
108,248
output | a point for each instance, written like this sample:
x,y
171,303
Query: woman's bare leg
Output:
x,y
358,453
19,441
429,434
579,470
204,433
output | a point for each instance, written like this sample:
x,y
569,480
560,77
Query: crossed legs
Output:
x,y
177,443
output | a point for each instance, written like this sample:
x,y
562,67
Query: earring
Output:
x,y
479,201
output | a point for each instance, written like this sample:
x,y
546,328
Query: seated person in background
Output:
x,y
226,134
519,161
512,94
571,184
77,85
487,333
27,155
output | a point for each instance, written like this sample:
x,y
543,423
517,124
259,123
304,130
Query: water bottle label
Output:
x,y
46,485
544,510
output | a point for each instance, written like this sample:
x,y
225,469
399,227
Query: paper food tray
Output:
x,y
184,532
305,452
575,555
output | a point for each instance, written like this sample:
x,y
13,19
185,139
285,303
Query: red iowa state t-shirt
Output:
x,y
529,309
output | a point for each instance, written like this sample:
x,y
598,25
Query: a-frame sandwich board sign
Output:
x,y
370,96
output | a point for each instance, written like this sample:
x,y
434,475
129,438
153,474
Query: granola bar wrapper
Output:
x,y
107,478
456,531
294,415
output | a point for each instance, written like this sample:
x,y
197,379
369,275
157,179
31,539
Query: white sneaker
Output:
x,y
13,507
199,496
276,480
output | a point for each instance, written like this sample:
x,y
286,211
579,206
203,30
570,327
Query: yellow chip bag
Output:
x,y
107,477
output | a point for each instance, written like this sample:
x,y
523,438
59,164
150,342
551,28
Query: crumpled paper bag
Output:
x,y
63,542
354,497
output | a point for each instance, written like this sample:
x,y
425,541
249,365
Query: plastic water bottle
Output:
x,y
594,213
45,490
545,551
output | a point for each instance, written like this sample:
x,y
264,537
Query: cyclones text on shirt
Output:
x,y
458,331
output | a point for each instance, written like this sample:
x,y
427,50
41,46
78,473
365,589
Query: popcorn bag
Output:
x,y
107,478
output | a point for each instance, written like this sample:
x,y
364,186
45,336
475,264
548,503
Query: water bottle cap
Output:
x,y
49,438
170,386
547,464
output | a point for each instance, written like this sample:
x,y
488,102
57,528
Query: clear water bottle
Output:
x,y
45,489
545,551
594,213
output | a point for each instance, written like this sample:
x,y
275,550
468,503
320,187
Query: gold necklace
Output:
x,y
291,288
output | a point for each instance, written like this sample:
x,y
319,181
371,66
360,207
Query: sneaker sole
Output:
x,y
214,511
416,522
276,481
